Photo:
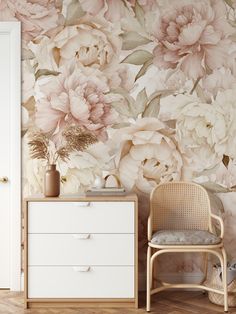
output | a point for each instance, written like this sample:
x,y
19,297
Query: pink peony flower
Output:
x,y
76,96
112,10
192,35
37,17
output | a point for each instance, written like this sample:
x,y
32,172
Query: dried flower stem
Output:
x,y
75,140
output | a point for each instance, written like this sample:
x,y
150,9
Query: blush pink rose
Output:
x,y
76,96
192,35
37,17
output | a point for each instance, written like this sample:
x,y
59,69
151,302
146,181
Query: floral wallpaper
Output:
x,y
154,80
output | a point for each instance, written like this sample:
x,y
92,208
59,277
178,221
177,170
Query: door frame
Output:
x,y
13,29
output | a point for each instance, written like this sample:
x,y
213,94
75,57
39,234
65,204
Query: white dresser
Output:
x,y
81,251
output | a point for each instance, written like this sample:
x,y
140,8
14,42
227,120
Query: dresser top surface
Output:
x,y
81,198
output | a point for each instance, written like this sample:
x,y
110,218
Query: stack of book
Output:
x,y
106,191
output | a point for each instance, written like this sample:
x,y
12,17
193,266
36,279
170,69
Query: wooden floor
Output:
x,y
171,302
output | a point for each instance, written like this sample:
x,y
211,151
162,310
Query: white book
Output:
x,y
110,190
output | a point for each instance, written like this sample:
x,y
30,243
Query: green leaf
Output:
x,y
161,93
138,57
27,54
225,160
200,93
123,107
120,125
74,12
121,91
42,72
139,13
127,106
56,55
214,187
171,124
153,107
29,105
23,132
233,36
230,3
132,40
141,101
143,69
195,85
35,66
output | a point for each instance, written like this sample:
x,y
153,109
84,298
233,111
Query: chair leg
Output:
x,y
205,269
224,279
148,301
205,266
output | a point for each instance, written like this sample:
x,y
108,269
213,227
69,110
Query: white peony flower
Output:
x,y
205,132
145,155
91,42
229,217
225,176
79,173
201,131
227,101
219,80
28,79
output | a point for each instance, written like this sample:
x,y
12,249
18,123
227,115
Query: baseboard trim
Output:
x,y
22,281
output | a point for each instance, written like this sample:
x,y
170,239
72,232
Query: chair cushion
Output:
x,y
184,237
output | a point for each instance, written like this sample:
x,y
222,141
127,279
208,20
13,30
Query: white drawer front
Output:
x,y
81,282
81,217
81,249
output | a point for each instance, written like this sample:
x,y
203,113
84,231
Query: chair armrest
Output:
x,y
219,219
149,228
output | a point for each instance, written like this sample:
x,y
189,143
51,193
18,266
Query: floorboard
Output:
x,y
168,302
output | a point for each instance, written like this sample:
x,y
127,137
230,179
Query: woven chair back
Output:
x,y
180,206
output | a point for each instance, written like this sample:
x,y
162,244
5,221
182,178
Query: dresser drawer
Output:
x,y
81,217
81,249
81,282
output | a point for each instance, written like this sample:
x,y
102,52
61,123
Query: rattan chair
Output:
x,y
180,220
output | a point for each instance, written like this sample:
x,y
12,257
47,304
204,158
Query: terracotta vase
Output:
x,y
52,181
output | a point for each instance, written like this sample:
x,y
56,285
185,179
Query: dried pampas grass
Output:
x,y
75,139
39,146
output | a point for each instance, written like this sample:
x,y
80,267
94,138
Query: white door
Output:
x,y
9,154
4,161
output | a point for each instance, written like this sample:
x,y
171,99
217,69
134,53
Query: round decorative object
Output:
x,y
99,182
111,180
52,181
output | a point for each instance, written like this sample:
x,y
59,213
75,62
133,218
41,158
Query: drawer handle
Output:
x,y
83,204
84,236
82,269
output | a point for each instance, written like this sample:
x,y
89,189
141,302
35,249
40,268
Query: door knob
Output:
x,y
4,179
